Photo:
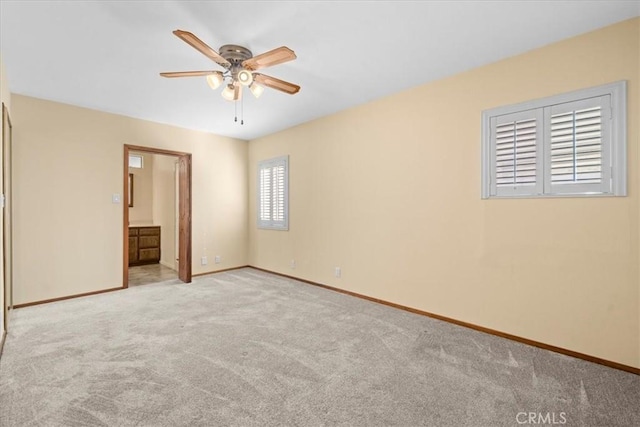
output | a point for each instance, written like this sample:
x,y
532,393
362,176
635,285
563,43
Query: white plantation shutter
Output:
x,y
278,193
578,155
572,144
516,164
273,197
265,194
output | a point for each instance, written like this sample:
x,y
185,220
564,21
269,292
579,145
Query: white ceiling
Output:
x,y
106,55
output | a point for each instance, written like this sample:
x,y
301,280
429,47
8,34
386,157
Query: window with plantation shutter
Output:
x,y
273,193
572,144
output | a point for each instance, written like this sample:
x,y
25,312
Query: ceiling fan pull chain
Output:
x,y
235,108
242,111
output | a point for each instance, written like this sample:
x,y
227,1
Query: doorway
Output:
x,y
183,207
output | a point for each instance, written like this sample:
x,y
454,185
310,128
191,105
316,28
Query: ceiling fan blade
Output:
x,y
186,73
269,59
276,84
202,47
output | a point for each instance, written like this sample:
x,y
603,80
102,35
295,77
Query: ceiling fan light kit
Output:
x,y
256,89
245,77
239,64
228,93
215,79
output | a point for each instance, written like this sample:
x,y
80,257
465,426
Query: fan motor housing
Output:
x,y
234,53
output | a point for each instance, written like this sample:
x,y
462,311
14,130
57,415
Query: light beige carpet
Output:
x,y
246,348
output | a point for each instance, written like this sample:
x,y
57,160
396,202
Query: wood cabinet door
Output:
x,y
133,249
151,255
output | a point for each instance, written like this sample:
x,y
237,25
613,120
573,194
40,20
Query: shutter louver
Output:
x,y
278,193
576,146
265,194
516,153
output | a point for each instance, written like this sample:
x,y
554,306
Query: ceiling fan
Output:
x,y
240,66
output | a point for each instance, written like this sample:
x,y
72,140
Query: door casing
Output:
x,y
7,217
184,211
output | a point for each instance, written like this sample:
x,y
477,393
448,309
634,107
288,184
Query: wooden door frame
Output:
x,y
7,241
184,219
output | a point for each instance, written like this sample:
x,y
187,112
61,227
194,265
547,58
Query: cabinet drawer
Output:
x,y
149,255
133,231
150,231
149,242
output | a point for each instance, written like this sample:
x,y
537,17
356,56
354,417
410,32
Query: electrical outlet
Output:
x,y
293,264
338,272
218,259
203,260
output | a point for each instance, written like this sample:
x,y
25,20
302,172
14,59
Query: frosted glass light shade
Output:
x,y
229,93
256,89
215,80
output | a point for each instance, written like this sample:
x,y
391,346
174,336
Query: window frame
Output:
x,y
617,145
138,156
271,224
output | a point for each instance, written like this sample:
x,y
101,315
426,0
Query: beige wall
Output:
x,y
164,207
390,192
68,164
141,213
